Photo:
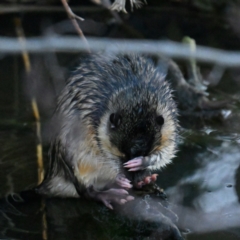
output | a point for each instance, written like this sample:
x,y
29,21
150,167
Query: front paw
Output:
x,y
136,164
123,182
147,180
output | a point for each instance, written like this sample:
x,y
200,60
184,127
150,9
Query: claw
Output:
x,y
123,182
147,180
140,184
123,201
135,169
117,191
134,164
129,198
154,177
122,179
107,204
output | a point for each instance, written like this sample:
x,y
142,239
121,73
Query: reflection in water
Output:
x,y
207,199
17,161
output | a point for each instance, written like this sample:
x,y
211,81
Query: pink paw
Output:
x,y
135,164
123,182
147,180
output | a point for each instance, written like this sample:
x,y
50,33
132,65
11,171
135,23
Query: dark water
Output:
x,y
202,183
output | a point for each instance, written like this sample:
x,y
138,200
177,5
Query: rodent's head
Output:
x,y
134,130
140,121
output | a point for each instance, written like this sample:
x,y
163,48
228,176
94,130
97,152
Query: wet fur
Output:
x,y
82,153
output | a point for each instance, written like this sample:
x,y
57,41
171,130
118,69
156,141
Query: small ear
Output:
x,y
115,120
160,120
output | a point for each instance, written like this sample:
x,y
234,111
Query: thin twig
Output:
x,y
168,48
74,18
27,64
39,145
69,11
22,41
44,222
36,114
195,78
14,8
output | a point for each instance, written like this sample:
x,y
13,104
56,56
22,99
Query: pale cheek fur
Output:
x,y
165,151
91,165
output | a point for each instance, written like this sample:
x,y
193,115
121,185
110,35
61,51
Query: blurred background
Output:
x,y
202,183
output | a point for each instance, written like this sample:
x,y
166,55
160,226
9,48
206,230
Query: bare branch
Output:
x,y
13,8
167,48
69,11
73,18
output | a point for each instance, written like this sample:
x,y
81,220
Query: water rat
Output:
x,y
117,121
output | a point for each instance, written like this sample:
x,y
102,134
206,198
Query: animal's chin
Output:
x,y
132,156
139,152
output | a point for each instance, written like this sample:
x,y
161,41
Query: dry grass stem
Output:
x,y
21,39
44,223
27,64
39,145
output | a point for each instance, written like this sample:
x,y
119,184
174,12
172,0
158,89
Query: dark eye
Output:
x,y
160,120
115,120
